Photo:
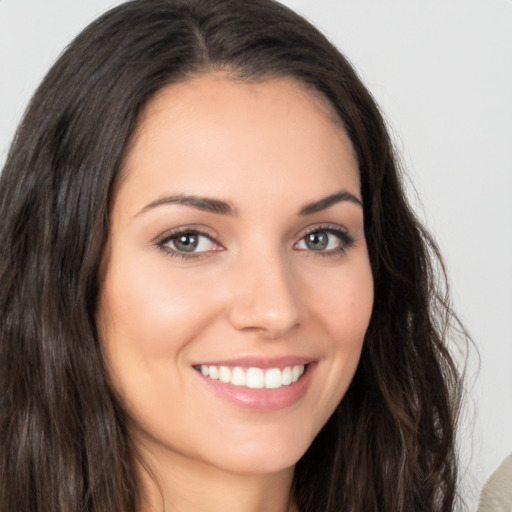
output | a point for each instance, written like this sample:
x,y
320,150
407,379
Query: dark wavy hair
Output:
x,y
389,446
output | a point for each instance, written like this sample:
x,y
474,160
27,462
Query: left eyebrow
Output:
x,y
328,201
200,203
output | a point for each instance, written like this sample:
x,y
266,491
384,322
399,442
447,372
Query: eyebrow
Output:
x,y
221,207
206,204
326,202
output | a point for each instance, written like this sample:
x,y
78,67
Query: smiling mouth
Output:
x,y
252,377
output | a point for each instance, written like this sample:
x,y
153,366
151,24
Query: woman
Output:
x,y
214,292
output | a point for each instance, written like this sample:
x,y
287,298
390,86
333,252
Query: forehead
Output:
x,y
210,132
204,91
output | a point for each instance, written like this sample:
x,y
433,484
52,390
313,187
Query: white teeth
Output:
x,y
273,378
238,377
254,378
287,376
213,372
224,374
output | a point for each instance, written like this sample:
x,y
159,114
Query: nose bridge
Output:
x,y
264,295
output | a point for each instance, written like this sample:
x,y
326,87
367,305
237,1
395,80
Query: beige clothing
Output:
x,y
497,493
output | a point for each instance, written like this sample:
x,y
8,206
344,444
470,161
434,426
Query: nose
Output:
x,y
264,297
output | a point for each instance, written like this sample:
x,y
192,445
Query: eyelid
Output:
x,y
199,230
326,226
346,239
188,228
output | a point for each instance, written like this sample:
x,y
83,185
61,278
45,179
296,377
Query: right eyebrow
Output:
x,y
206,204
326,202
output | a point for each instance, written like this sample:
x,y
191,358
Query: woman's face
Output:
x,y
238,287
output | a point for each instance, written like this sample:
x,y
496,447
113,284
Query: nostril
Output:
x,y
274,312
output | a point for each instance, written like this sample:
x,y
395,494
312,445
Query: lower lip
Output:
x,y
262,400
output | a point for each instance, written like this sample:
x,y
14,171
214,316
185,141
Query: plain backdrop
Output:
x,y
442,73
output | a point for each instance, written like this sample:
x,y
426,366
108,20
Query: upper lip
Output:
x,y
259,362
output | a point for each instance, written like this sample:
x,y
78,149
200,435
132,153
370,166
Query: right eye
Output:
x,y
188,243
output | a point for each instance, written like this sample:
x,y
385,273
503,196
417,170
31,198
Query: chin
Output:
x,y
263,455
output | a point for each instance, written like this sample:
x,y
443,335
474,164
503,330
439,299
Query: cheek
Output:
x,y
147,316
346,312
355,304
344,303
151,308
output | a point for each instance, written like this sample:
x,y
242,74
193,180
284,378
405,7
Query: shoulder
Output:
x,y
497,493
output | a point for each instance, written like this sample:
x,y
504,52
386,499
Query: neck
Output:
x,y
176,484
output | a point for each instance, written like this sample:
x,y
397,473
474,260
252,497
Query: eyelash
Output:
x,y
346,242
170,237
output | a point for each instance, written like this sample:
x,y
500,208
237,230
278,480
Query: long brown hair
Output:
x,y
389,446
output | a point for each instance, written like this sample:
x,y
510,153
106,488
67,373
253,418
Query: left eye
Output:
x,y
323,240
189,242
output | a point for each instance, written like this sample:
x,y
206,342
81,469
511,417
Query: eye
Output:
x,y
188,243
325,241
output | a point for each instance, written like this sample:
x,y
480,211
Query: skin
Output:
x,y
254,287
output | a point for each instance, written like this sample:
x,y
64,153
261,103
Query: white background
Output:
x,y
442,73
